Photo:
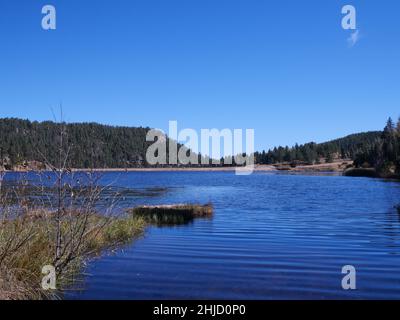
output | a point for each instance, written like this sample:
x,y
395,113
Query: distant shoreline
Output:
x,y
337,167
178,169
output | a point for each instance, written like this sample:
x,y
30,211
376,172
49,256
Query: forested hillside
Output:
x,y
384,154
92,145
310,153
89,144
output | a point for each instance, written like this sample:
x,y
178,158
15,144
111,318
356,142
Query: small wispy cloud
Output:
x,y
354,38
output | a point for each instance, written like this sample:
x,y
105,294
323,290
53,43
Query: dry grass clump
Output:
x,y
172,214
16,285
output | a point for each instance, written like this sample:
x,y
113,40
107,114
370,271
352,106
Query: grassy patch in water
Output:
x,y
175,214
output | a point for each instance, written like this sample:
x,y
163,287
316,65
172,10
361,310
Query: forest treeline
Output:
x,y
89,145
384,153
311,153
92,145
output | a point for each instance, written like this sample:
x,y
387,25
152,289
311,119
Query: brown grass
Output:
x,y
20,270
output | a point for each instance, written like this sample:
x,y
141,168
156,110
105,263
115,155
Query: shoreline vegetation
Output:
x,y
22,261
381,158
22,258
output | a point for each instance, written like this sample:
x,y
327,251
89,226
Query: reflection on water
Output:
x,y
271,237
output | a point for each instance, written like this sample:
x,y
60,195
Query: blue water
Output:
x,y
273,236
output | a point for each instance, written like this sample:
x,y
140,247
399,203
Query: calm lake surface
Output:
x,y
273,236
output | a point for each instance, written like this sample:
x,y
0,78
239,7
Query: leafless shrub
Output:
x,y
64,225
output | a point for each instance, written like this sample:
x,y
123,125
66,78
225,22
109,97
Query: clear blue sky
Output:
x,y
284,68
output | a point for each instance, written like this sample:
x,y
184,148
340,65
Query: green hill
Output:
x,y
92,145
89,144
347,147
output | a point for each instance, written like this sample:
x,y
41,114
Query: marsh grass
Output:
x,y
167,215
20,268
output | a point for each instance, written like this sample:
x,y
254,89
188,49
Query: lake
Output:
x,y
273,236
